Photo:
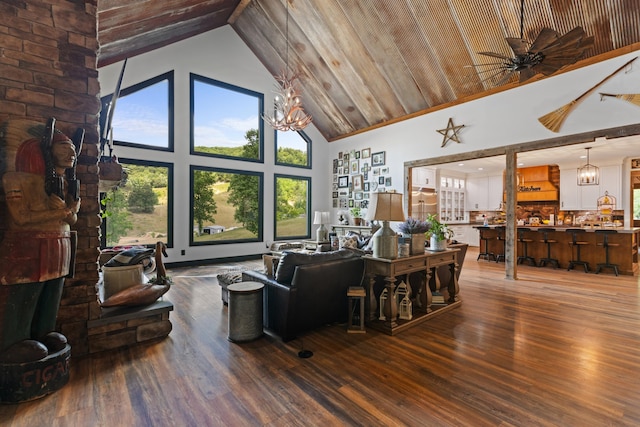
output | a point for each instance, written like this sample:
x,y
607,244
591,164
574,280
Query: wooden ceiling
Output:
x,y
366,63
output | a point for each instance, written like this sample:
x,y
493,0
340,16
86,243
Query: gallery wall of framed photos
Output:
x,y
357,174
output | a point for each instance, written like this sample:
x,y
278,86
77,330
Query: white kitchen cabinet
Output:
x,y
611,182
423,177
484,193
495,192
452,200
569,196
477,193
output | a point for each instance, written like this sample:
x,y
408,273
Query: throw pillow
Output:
x,y
349,242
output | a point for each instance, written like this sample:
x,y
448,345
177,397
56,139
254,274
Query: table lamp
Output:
x,y
386,207
322,218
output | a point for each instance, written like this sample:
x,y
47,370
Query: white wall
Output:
x,y
505,118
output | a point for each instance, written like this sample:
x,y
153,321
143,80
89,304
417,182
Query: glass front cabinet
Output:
x,y
452,200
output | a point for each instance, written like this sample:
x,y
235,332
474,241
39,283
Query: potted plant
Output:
x,y
415,229
439,233
356,214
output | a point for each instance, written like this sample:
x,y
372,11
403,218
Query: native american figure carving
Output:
x,y
39,201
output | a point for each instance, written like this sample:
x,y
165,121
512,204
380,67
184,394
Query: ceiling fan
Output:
x,y
547,54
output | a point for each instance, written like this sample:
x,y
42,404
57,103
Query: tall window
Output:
x,y
221,116
140,211
293,149
226,205
143,116
292,202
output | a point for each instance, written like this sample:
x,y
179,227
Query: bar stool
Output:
x,y
502,230
545,239
605,244
575,243
483,237
525,244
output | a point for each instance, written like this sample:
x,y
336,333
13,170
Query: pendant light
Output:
x,y
288,112
588,174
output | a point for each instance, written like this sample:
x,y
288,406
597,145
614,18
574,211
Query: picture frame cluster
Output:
x,y
357,174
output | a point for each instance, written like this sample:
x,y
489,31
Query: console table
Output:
x,y
390,269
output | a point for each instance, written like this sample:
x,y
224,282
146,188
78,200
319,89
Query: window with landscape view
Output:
x,y
293,149
221,116
139,212
143,116
292,201
226,206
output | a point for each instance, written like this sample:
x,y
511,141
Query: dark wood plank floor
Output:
x,y
554,348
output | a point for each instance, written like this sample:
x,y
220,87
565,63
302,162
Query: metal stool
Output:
x,y
548,242
356,295
486,254
605,244
502,230
525,245
575,243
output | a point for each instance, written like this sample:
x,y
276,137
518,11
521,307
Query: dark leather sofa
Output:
x,y
308,291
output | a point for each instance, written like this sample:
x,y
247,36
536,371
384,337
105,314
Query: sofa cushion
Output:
x,y
290,260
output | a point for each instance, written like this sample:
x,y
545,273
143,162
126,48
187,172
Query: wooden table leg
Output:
x,y
390,309
371,306
453,286
427,299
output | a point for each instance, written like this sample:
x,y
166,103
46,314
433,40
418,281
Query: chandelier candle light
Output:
x,y
321,218
386,207
288,112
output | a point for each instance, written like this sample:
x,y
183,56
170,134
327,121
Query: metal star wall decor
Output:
x,y
454,132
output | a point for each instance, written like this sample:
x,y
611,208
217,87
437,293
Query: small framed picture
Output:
x,y
377,159
351,203
335,203
384,171
365,186
343,182
340,154
357,156
366,153
355,166
345,158
380,180
334,194
376,171
357,182
335,178
387,181
358,195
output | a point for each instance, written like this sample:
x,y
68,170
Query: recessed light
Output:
x,y
460,164
480,169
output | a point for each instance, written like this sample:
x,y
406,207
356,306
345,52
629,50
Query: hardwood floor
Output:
x,y
554,348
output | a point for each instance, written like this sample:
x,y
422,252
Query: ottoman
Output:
x,y
226,279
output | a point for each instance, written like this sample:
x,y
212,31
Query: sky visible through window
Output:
x,y
142,116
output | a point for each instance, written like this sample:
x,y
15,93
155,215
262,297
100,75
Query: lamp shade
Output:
x,y
320,217
386,207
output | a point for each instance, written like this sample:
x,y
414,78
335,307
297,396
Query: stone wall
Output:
x,y
48,69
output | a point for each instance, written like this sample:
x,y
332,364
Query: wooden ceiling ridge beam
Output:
x,y
238,11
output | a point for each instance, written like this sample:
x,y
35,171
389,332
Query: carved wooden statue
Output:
x,y
36,245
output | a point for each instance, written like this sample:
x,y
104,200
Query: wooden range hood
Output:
x,y
538,184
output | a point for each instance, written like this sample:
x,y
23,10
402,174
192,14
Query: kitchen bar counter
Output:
x,y
625,255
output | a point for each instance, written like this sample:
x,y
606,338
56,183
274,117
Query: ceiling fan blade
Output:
x,y
526,74
518,46
495,55
546,37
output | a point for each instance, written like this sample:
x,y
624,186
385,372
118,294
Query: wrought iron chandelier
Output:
x,y
588,174
288,111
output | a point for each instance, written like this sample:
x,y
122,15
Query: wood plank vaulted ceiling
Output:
x,y
365,63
